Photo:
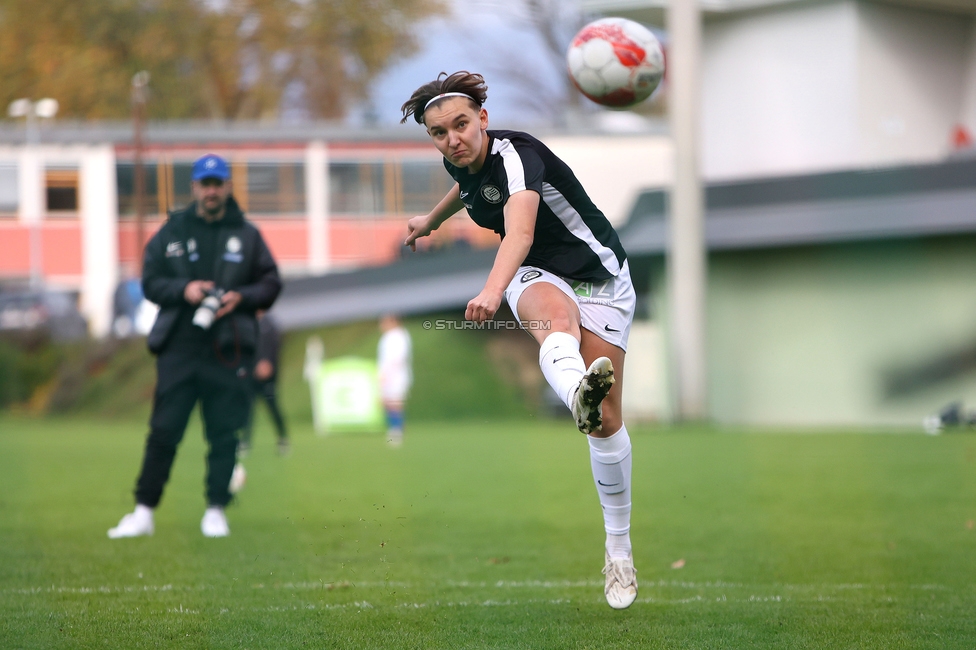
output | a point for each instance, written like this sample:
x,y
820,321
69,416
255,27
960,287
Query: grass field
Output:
x,y
490,536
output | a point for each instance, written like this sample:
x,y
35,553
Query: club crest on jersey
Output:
x,y
529,276
233,253
491,193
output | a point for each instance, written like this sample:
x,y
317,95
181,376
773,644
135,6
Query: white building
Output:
x,y
325,198
793,86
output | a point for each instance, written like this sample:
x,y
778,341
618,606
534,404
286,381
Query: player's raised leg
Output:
x,y
553,319
610,460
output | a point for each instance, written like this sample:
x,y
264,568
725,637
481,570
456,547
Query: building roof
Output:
x,y
897,202
203,132
417,284
283,134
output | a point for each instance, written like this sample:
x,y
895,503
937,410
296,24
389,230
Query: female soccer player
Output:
x,y
561,264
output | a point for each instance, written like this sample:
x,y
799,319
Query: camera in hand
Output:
x,y
204,316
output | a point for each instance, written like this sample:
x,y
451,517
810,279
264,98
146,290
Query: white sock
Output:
x,y
143,512
618,546
562,365
610,460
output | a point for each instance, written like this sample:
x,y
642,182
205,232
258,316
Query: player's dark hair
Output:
x,y
471,84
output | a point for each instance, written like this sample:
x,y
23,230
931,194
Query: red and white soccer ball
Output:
x,y
615,62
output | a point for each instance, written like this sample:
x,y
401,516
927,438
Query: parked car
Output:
x,y
47,312
133,314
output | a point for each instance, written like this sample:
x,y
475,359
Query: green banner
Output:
x,y
349,394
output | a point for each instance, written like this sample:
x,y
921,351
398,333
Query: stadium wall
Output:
x,y
801,87
879,333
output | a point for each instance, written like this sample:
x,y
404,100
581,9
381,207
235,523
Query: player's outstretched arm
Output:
x,y
520,215
423,225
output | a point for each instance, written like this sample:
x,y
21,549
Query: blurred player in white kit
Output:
x,y
394,361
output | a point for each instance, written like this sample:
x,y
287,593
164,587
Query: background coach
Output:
x,y
209,270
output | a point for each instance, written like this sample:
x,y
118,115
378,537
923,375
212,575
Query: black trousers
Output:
x,y
266,390
224,394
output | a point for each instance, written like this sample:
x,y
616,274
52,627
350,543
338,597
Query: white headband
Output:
x,y
442,96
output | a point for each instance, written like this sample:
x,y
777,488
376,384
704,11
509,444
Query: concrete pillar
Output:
x,y
317,206
30,185
33,205
687,256
99,236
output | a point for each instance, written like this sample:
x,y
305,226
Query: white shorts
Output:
x,y
394,386
606,307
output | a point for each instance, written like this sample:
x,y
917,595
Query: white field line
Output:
x,y
720,592
508,602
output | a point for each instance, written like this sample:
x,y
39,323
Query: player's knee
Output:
x,y
612,419
611,426
562,322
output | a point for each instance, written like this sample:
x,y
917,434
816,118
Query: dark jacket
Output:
x,y
241,262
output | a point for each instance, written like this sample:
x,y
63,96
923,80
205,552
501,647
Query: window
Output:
x,y
125,175
265,188
393,187
356,188
9,196
424,183
61,186
182,178
273,188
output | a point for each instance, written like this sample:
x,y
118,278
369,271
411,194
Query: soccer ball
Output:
x,y
615,62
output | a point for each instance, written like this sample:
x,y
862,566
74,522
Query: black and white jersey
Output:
x,y
572,239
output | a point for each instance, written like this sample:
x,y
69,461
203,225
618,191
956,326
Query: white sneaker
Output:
x,y
237,479
621,588
214,523
134,524
588,398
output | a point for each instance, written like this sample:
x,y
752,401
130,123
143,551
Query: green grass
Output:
x,y
118,380
482,535
445,384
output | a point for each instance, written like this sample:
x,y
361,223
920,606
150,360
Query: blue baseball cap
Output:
x,y
211,166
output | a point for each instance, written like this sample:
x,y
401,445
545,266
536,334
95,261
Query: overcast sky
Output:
x,y
485,36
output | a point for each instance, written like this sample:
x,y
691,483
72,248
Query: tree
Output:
x,y
220,59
